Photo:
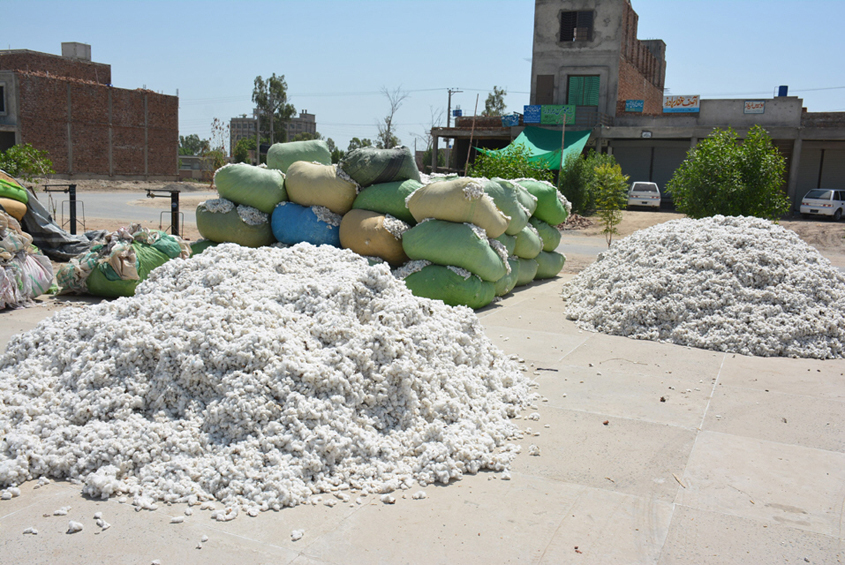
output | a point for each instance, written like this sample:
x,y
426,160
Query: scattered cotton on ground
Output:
x,y
258,377
737,284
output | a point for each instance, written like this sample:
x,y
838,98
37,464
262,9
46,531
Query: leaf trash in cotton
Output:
x,y
258,378
734,284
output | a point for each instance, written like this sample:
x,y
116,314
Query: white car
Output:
x,y
644,194
823,202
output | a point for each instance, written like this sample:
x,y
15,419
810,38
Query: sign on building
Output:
x,y
754,107
555,114
634,105
681,103
510,120
531,114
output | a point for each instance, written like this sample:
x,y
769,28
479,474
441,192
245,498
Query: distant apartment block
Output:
x,y
240,128
305,123
65,105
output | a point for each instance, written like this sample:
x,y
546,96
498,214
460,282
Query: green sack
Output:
x,y
509,241
549,264
368,165
458,200
226,224
549,234
103,281
198,247
245,184
313,184
280,156
504,195
9,188
527,271
507,283
528,200
528,243
552,207
449,243
442,283
388,198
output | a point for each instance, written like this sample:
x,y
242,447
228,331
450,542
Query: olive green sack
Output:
x,y
442,283
251,186
449,243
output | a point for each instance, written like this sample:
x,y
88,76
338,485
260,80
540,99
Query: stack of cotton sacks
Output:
x,y
535,245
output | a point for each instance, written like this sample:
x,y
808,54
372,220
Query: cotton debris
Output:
x,y
736,284
258,377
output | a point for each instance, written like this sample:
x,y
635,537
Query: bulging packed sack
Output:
x,y
504,195
24,272
452,285
117,264
528,200
552,207
15,208
388,198
10,188
245,184
528,243
221,221
548,233
459,245
527,271
313,184
507,283
369,165
373,235
509,241
458,200
280,156
549,264
292,224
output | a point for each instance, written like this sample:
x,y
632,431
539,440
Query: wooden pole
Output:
x,y
471,134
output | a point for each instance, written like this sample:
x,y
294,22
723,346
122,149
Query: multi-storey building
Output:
x,y
66,105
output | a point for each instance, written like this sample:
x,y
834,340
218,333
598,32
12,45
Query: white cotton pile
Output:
x,y
258,377
736,284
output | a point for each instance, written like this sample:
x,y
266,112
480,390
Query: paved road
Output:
x,y
119,206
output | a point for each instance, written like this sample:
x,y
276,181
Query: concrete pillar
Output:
x,y
69,134
434,150
146,138
792,182
111,137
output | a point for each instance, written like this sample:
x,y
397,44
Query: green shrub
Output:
x,y
577,181
611,190
511,164
25,162
721,176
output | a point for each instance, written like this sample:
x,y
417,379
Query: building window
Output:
x,y
583,91
2,98
576,26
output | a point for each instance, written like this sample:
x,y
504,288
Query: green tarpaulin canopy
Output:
x,y
543,145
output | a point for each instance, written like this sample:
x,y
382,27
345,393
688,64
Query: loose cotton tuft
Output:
x,y
259,378
735,284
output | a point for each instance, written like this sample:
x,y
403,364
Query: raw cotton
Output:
x,y
736,284
258,377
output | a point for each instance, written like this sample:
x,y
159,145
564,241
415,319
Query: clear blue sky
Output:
x,y
337,56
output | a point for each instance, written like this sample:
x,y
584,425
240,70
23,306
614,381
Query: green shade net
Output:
x,y
543,146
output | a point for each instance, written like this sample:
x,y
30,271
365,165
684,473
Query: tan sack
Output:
x,y
458,200
364,232
313,184
14,208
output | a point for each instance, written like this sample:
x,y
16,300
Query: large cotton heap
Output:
x,y
258,377
735,284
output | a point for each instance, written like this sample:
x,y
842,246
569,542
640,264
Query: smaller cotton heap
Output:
x,y
735,284
258,377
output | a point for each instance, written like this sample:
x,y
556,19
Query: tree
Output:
x,y
216,155
271,99
356,143
307,136
577,180
510,164
26,162
192,145
337,154
387,126
242,149
720,176
611,197
495,103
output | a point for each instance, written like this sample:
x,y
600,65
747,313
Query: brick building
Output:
x,y
67,106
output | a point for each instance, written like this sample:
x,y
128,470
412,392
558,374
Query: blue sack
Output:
x,y
292,224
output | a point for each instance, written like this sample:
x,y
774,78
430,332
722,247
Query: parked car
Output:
x,y
644,194
823,202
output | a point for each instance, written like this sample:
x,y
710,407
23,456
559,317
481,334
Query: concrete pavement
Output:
x,y
649,453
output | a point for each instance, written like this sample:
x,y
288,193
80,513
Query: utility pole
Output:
x,y
272,112
451,91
